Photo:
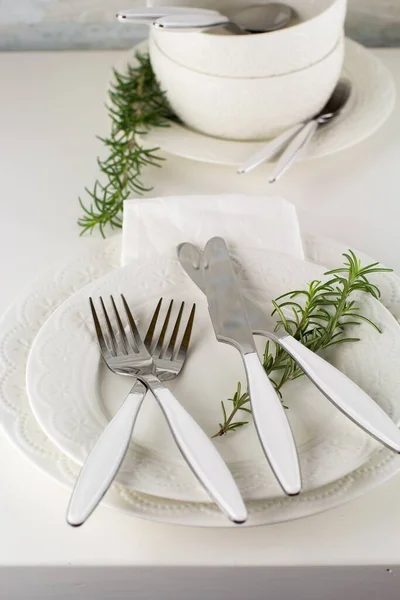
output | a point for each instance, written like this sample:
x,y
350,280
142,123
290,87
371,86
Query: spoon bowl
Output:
x,y
299,143
332,108
336,102
260,18
195,23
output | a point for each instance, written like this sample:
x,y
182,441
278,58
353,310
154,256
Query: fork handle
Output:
x,y
105,458
200,453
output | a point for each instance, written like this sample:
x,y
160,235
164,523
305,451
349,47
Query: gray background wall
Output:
x,y
81,24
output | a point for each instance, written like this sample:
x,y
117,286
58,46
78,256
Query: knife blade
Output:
x,y
190,259
347,396
231,326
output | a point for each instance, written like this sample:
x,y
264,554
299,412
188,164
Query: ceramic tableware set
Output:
x,y
134,376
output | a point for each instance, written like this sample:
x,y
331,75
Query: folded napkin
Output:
x,y
155,226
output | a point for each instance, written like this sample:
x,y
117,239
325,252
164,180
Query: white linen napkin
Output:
x,y
155,226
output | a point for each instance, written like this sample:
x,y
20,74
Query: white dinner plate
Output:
x,y
371,102
73,395
23,321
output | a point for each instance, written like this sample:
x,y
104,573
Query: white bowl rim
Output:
x,y
339,41
286,30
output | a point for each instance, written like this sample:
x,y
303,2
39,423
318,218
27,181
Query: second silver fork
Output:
x,y
106,457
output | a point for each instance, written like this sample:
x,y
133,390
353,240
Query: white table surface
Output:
x,y
51,107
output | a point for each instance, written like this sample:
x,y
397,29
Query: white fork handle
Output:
x,y
345,394
272,426
200,453
294,149
105,458
269,150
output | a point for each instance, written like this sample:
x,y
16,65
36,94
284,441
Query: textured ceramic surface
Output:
x,y
370,104
275,53
73,395
248,108
24,319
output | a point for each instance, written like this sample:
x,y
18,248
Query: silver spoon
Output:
x,y
332,109
259,18
299,135
147,15
191,22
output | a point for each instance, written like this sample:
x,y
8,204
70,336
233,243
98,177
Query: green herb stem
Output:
x,y
318,317
136,103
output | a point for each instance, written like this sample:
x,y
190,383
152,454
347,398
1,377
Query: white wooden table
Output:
x,y
51,107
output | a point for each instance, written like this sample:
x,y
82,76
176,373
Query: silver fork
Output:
x,y
128,355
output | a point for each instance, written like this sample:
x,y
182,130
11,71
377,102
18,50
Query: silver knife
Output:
x,y
231,326
337,387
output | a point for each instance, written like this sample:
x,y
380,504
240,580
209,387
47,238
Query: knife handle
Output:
x,y
199,452
272,426
344,394
105,458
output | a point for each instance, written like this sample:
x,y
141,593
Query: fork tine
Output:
x,y
132,325
100,337
125,344
186,336
110,329
150,332
170,349
160,341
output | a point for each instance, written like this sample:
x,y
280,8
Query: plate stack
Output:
x,y
56,397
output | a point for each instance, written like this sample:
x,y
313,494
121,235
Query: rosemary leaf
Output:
x,y
319,322
136,103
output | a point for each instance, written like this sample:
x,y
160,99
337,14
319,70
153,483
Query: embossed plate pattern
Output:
x,y
73,395
21,323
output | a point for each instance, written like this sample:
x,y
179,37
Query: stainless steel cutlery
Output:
x,y
231,326
196,22
149,14
337,387
296,139
126,354
156,359
259,18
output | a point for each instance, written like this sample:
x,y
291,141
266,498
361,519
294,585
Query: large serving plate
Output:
x,y
73,395
24,319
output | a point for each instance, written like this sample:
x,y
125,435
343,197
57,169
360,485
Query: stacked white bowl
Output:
x,y
251,87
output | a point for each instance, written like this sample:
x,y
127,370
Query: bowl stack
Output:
x,y
251,87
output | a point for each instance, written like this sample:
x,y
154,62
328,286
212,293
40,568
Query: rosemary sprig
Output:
x,y
136,103
318,317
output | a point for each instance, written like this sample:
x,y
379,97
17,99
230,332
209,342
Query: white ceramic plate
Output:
x,y
73,395
26,316
371,102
